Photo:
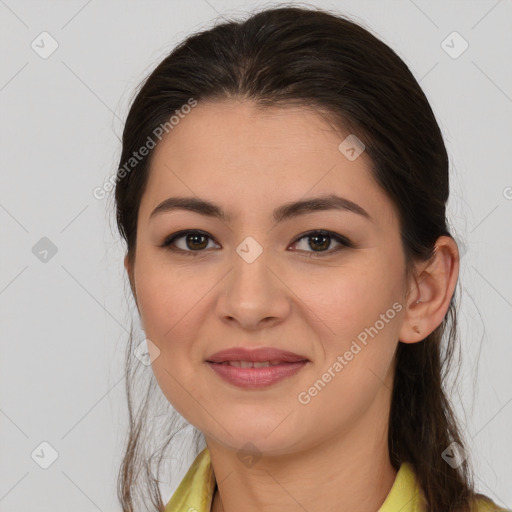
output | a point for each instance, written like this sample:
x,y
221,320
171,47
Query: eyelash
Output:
x,y
345,242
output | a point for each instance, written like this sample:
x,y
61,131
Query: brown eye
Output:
x,y
320,241
191,242
195,241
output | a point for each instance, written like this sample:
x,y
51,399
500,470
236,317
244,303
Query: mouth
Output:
x,y
256,375
254,364
241,356
257,367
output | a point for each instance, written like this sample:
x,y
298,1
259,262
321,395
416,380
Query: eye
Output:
x,y
321,240
194,242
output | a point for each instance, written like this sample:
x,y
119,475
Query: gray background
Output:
x,y
64,316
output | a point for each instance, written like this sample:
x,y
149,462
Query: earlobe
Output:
x,y
431,293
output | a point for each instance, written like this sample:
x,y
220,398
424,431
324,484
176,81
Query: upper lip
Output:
x,y
256,355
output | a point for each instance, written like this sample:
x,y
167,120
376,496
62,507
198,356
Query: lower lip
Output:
x,y
256,377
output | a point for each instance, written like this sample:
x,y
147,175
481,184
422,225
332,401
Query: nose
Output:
x,y
254,295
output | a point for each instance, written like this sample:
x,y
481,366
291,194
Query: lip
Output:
x,y
251,378
255,355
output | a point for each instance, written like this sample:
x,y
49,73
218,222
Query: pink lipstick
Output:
x,y
255,368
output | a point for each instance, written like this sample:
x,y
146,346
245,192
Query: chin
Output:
x,y
257,441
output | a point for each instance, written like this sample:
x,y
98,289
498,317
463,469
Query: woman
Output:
x,y
282,191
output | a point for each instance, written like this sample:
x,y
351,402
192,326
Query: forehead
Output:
x,y
236,154
223,128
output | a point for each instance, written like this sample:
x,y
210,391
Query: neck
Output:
x,y
347,471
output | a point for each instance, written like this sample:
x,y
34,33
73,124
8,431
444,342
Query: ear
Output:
x,y
129,271
428,298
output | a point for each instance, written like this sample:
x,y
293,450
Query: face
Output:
x,y
333,297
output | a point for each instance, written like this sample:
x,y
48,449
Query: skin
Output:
x,y
249,162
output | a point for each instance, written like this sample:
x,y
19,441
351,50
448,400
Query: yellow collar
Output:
x,y
196,490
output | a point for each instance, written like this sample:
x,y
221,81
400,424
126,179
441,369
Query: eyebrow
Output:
x,y
281,213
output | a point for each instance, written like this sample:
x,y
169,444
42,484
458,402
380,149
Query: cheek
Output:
x,y
358,315
168,297
170,322
352,300
172,304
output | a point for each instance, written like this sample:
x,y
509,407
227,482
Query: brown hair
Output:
x,y
313,58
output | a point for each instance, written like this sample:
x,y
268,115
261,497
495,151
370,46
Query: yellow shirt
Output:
x,y
196,490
